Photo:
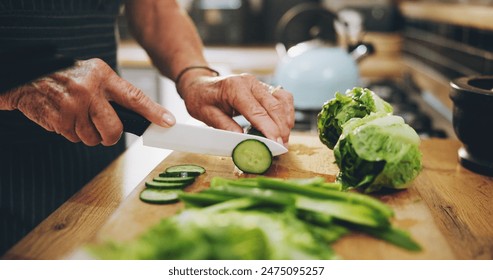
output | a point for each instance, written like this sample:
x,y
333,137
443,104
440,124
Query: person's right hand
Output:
x,y
75,103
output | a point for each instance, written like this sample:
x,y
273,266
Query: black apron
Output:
x,y
39,170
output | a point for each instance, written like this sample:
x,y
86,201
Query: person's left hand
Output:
x,y
215,100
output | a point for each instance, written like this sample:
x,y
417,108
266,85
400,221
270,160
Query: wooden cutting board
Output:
x,y
447,209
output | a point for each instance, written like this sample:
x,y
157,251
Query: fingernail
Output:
x,y
169,119
279,140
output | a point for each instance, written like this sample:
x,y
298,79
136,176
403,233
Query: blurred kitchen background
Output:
x,y
413,49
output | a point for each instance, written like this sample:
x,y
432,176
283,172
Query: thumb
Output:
x,y
130,97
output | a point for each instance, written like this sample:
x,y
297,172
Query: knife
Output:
x,y
188,138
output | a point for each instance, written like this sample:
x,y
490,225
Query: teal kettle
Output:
x,y
312,65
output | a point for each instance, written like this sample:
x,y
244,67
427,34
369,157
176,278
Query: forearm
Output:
x,y
167,33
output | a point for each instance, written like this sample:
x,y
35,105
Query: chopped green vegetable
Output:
x,y
322,193
228,235
354,213
203,199
241,182
261,218
356,103
264,195
352,207
233,204
315,218
330,233
392,235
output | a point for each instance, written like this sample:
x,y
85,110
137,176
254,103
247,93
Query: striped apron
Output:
x,y
40,170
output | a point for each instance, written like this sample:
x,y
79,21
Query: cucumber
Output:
x,y
165,185
157,196
326,193
183,170
252,156
185,180
178,174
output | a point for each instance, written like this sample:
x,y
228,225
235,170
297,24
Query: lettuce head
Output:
x,y
356,103
377,151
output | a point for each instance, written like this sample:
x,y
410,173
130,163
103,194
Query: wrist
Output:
x,y
191,73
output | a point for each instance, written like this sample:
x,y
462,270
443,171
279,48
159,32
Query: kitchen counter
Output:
x,y
447,209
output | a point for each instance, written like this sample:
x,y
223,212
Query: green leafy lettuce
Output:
x,y
198,234
356,103
377,151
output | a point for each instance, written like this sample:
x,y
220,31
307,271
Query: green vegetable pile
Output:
x,y
262,218
373,148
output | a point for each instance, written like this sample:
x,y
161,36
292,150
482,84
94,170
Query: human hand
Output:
x,y
214,100
75,103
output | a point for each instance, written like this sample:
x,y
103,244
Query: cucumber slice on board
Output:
x,y
165,185
252,156
183,170
184,180
160,196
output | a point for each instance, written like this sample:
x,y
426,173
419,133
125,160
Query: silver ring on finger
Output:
x,y
273,90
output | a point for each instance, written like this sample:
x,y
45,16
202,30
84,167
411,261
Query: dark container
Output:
x,y
473,121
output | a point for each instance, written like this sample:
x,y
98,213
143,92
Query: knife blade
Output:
x,y
189,138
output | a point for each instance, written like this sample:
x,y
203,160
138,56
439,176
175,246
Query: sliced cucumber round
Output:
x,y
178,174
165,185
183,170
158,196
252,156
185,180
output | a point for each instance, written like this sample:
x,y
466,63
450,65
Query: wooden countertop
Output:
x,y
447,209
